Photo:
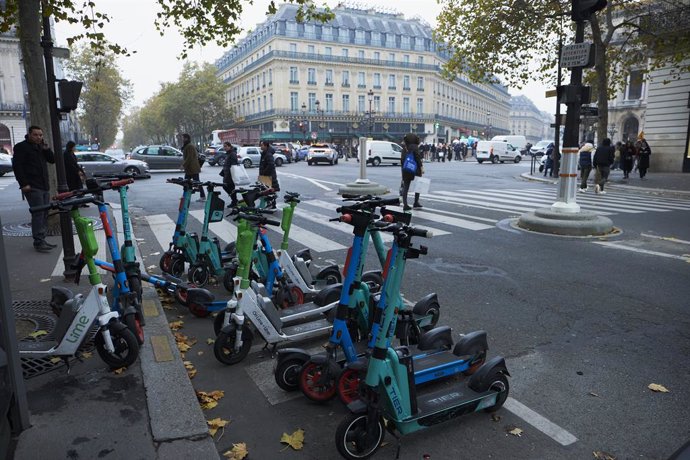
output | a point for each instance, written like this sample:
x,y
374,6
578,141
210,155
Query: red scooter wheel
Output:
x,y
348,386
315,384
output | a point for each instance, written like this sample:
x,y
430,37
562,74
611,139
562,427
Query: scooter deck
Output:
x,y
298,331
432,360
447,394
302,310
37,346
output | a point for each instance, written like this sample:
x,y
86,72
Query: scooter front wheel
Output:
x,y
287,373
353,439
228,277
374,280
499,383
177,265
126,347
134,325
218,322
198,274
181,294
165,262
348,386
224,347
198,310
317,383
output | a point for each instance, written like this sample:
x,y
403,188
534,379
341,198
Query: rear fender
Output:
x,y
327,292
304,254
436,338
480,380
199,296
422,305
470,344
358,406
324,359
290,353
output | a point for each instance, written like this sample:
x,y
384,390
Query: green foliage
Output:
x,y
195,103
103,94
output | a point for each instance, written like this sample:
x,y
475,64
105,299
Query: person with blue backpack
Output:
x,y
411,161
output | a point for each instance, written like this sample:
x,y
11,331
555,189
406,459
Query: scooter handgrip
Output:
x,y
275,223
389,201
64,196
42,207
121,182
423,232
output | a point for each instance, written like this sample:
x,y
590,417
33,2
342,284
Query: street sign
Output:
x,y
314,135
587,111
551,93
577,55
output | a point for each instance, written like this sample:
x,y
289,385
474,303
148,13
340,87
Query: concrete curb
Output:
x,y
178,425
611,185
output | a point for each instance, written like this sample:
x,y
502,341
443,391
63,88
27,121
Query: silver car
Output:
x,y
158,156
5,164
100,163
251,156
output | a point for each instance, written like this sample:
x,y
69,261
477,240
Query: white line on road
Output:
x,y
539,422
309,179
162,227
641,251
665,238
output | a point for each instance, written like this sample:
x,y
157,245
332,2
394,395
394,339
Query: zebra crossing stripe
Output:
x,y
627,198
451,197
620,245
628,202
162,227
223,230
457,214
339,226
584,202
452,221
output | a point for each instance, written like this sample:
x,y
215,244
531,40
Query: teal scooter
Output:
x,y
395,397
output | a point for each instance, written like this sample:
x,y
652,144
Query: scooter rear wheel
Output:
x,y
228,277
315,385
198,274
198,311
352,440
374,280
177,265
165,262
348,386
126,348
224,347
181,294
499,382
330,275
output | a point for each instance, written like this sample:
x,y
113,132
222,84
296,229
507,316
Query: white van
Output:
x,y
516,141
383,152
495,151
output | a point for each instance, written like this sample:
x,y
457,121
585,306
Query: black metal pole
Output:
x,y
572,117
557,136
65,222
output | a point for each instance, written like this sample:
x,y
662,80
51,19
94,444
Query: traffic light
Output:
x,y
583,9
69,92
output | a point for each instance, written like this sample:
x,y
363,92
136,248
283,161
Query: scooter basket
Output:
x,y
217,208
87,237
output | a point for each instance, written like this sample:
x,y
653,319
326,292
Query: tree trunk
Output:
x,y
602,79
30,19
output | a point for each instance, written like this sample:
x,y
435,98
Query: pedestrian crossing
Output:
x,y
445,213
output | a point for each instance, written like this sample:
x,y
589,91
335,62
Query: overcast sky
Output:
x,y
156,59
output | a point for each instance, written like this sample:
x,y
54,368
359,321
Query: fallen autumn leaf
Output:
x,y
238,452
657,388
295,440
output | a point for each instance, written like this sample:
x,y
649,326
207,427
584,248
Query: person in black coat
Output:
x,y
73,172
602,161
411,142
267,169
228,183
644,151
30,166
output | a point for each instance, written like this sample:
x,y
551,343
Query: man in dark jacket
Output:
x,y
230,160
267,170
190,163
411,142
30,165
602,161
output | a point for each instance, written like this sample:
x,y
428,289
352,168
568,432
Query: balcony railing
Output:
x,y
13,107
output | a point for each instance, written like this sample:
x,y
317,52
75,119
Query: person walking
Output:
x,y
644,151
627,158
30,166
617,157
190,163
267,170
411,145
73,172
548,164
603,159
230,161
585,162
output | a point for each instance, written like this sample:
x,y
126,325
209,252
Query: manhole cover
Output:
x,y
25,229
36,315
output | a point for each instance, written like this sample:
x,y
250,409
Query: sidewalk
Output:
x,y
149,411
666,183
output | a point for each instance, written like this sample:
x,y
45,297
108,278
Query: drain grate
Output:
x,y
41,315
25,229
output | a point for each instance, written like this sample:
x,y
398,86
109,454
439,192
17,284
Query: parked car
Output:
x,y
495,151
383,152
158,156
5,164
285,148
251,156
540,147
100,163
322,153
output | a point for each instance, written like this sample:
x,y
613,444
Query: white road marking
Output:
x,y
457,214
309,179
539,422
627,202
452,221
323,220
224,230
162,227
310,239
613,245
665,238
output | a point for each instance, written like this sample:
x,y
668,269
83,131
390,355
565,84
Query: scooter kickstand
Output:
x,y
66,361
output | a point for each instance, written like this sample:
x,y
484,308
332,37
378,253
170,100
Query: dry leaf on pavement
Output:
x,y
86,355
591,393
657,388
55,360
176,325
515,431
295,440
238,452
210,341
601,455
119,370
209,400
215,424
191,371
495,418
45,280
38,333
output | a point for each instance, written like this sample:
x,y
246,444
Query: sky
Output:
x,y
156,58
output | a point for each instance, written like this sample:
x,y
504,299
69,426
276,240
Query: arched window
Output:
x,y
631,127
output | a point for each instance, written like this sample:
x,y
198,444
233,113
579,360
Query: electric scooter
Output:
x,y
317,375
77,315
392,389
125,300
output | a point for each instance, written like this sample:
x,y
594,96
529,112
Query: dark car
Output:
x,y
285,149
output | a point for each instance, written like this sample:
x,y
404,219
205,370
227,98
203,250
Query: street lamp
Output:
x,y
370,113
612,130
488,122
303,123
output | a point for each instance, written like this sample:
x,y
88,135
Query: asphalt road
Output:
x,y
585,324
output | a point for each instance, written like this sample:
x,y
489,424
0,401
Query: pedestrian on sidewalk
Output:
x,y
627,158
411,145
585,162
73,172
644,151
190,163
617,157
30,166
230,161
267,170
548,164
603,159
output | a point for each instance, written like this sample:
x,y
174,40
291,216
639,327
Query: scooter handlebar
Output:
x,y
421,232
261,220
64,204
